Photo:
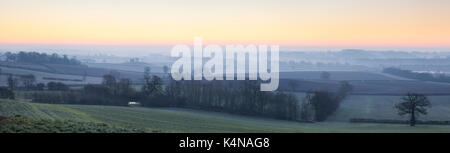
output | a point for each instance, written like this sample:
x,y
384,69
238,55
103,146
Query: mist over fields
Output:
x,y
368,83
363,68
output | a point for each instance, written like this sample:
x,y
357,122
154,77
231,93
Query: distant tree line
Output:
x,y
28,82
235,97
110,92
40,58
238,97
418,76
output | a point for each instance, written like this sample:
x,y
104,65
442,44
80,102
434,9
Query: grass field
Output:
x,y
382,107
19,124
40,76
186,120
370,87
339,75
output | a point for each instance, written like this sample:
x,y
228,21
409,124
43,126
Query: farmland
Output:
x,y
339,75
42,125
369,87
67,73
382,107
373,97
364,82
134,67
41,75
187,120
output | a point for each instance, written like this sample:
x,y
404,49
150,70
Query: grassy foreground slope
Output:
x,y
17,124
185,120
19,116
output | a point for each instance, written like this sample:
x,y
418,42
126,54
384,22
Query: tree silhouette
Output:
x,y
147,76
413,104
28,81
154,87
12,82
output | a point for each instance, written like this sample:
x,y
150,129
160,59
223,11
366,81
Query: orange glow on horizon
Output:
x,y
412,23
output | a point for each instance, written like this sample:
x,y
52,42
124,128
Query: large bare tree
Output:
x,y
414,105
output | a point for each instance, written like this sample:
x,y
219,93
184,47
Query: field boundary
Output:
x,y
389,121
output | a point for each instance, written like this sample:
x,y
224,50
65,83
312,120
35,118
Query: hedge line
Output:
x,y
389,121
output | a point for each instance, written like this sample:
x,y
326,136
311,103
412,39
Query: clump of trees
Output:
x,y
115,88
110,92
324,104
413,105
27,81
12,82
6,93
239,97
41,58
319,105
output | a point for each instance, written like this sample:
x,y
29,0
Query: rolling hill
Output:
x,y
186,120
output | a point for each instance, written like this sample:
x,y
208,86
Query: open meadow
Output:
x,y
187,120
382,107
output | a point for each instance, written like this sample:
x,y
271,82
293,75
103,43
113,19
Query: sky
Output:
x,y
320,23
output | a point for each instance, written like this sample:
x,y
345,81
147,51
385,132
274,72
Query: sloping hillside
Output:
x,y
16,124
186,120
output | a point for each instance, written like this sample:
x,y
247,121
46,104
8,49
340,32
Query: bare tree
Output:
x,y
147,76
306,109
413,104
12,82
28,81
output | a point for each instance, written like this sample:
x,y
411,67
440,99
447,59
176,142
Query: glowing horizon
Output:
x,y
359,23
